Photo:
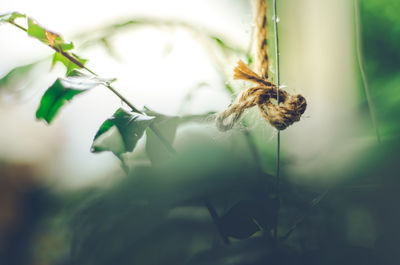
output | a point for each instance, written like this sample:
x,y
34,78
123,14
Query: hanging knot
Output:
x,y
280,114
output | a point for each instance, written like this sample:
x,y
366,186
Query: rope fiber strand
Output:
x,y
261,58
281,113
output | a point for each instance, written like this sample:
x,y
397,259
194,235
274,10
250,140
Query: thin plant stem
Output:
x,y
278,144
214,216
66,55
111,88
300,219
370,102
208,205
201,32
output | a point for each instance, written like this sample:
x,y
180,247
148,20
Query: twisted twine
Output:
x,y
286,111
261,22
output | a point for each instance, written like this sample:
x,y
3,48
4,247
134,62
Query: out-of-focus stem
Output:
x,y
362,70
278,144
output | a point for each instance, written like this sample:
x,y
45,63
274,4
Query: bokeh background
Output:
x,y
60,203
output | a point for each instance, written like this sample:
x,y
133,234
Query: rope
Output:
x,y
280,116
288,108
261,60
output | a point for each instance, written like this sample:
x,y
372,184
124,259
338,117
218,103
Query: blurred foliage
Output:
x,y
24,205
156,215
14,82
160,216
16,73
381,42
381,35
155,149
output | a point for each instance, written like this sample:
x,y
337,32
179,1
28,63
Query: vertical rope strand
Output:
x,y
371,106
278,144
261,62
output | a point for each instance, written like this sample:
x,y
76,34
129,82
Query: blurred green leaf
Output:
x,y
223,45
249,59
167,126
229,88
10,17
158,208
219,42
46,36
56,41
238,222
110,49
36,31
253,251
381,36
249,216
121,132
16,73
63,90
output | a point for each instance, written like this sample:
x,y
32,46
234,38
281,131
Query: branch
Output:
x,y
208,205
111,88
362,70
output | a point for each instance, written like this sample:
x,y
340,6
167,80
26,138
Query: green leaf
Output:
x,y
229,88
249,59
219,42
121,132
84,77
54,99
46,36
16,73
167,126
63,90
58,57
64,45
70,60
222,44
10,17
36,31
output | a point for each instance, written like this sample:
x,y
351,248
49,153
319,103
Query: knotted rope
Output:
x,y
288,110
281,114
